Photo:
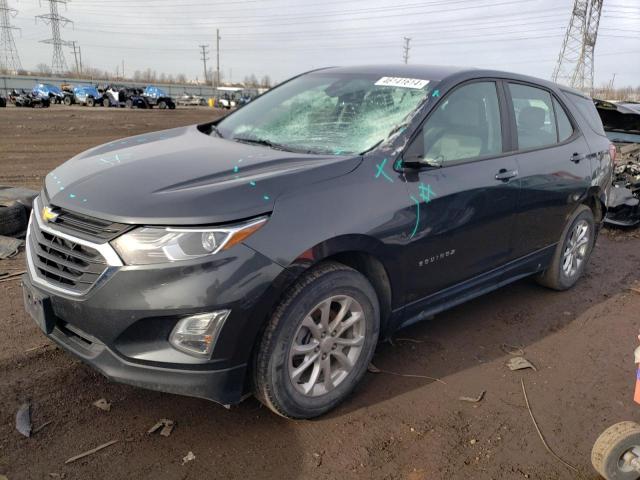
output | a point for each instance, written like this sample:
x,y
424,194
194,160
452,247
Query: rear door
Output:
x,y
553,165
465,208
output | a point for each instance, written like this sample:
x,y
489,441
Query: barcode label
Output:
x,y
402,82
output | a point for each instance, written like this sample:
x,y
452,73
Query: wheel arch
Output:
x,y
595,199
364,254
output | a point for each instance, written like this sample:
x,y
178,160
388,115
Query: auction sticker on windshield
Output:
x,y
402,82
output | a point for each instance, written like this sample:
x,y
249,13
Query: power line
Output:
x,y
489,22
53,18
287,20
9,58
575,62
481,39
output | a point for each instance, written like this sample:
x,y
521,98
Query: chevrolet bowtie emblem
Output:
x,y
48,215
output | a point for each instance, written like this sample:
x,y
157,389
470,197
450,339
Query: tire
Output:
x,y
556,276
329,284
106,103
68,101
172,106
129,103
91,102
13,218
162,105
610,447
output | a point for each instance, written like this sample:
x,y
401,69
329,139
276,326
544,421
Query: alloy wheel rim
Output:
x,y
327,345
576,249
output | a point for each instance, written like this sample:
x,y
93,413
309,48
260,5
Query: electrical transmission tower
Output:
x,y
575,62
405,49
204,51
53,18
9,59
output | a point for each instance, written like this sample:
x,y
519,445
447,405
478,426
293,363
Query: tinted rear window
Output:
x,y
588,111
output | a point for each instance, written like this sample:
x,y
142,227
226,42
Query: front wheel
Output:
x,y
317,345
572,253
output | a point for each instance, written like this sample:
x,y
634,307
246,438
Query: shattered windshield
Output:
x,y
327,113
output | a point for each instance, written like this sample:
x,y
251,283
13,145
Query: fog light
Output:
x,y
197,334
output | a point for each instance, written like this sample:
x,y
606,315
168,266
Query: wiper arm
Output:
x,y
214,129
262,141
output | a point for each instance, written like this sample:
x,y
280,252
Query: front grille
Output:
x,y
89,228
64,263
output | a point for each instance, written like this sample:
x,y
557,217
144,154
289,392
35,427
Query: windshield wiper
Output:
x,y
214,129
264,142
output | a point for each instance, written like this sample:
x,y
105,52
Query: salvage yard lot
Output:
x,y
393,427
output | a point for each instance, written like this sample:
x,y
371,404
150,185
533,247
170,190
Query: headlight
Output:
x,y
149,245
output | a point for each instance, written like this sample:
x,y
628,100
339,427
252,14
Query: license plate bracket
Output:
x,y
38,306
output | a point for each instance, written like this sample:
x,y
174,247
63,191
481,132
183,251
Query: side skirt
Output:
x,y
469,289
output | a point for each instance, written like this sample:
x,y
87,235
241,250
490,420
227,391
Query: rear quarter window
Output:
x,y
588,111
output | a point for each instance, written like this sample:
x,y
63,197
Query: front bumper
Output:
x,y
121,326
223,386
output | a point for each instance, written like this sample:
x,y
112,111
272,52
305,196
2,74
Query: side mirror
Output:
x,y
414,155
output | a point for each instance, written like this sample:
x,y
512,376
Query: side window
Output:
x,y
533,109
588,111
466,124
565,129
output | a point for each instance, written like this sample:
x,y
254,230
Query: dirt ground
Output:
x,y
393,427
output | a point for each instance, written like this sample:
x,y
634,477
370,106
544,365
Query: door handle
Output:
x,y
576,157
506,175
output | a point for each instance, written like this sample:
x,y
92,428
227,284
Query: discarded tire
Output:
x,y
13,219
21,195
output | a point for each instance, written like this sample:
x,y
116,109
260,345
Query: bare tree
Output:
x,y
265,82
43,69
251,81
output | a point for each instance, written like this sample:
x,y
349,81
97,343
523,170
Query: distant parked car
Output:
x,y
226,101
84,95
130,97
53,93
155,96
191,100
28,99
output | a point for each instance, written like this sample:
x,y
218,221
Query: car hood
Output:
x,y
184,177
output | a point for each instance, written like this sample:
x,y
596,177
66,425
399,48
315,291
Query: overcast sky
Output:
x,y
284,37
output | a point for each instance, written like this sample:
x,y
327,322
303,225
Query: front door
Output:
x,y
465,204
